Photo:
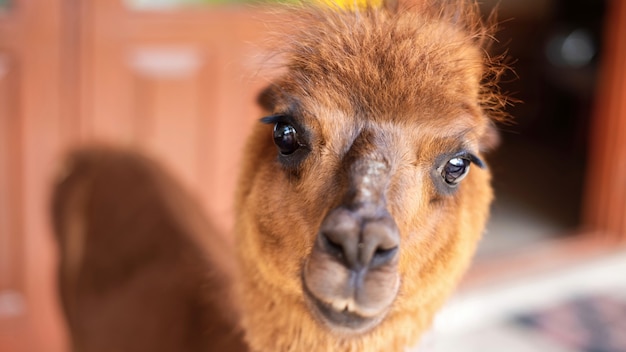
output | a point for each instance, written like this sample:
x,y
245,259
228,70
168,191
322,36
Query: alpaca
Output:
x,y
141,268
357,213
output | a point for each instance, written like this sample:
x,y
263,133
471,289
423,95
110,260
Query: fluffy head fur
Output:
x,y
407,86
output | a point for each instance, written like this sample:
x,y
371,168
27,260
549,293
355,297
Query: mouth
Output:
x,y
343,321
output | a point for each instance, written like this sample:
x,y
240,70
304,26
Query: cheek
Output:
x,y
440,237
405,196
286,227
423,239
418,220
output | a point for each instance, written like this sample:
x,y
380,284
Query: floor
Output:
x,y
538,191
494,319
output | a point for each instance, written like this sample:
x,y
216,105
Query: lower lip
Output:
x,y
343,322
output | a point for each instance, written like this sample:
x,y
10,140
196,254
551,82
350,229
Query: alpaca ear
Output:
x,y
490,139
267,98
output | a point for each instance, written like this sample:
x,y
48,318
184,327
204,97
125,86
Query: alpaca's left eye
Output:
x,y
286,138
455,170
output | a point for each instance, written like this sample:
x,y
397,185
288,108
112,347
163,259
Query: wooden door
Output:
x,y
30,138
179,84
605,205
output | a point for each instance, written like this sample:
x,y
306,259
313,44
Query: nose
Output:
x,y
359,241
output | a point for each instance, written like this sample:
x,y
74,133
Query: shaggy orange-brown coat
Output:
x,y
417,78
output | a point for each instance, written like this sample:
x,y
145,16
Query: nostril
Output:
x,y
356,241
333,248
383,256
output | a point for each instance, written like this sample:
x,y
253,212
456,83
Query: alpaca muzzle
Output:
x,y
351,276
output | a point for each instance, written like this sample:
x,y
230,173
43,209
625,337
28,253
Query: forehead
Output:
x,y
452,124
337,131
373,66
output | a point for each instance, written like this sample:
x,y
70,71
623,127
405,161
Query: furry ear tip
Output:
x,y
266,98
490,139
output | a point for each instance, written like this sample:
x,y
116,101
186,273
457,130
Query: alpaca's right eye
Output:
x,y
455,170
286,138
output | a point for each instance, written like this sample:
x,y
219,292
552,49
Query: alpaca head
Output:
x,y
364,190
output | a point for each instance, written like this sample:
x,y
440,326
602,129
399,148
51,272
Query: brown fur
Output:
x,y
407,87
141,269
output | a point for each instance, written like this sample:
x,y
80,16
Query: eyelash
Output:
x,y
272,119
471,157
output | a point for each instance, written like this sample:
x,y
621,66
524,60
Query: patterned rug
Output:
x,y
585,324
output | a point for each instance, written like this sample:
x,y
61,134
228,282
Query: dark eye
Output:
x,y
286,138
455,170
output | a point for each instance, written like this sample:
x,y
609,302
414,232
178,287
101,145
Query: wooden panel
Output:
x,y
15,329
40,56
209,93
11,235
180,84
237,79
605,205
13,295
192,110
12,302
166,104
29,143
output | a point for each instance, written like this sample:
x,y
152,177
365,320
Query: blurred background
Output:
x,y
177,79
